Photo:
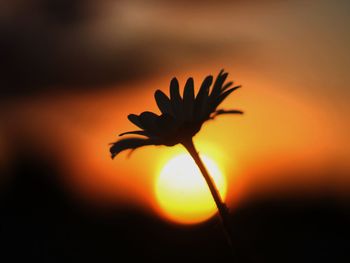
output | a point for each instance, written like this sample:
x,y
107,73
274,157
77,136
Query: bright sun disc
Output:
x,y
182,192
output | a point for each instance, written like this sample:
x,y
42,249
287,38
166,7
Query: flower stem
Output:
x,y
222,208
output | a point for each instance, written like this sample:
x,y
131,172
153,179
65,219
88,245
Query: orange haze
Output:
x,y
281,130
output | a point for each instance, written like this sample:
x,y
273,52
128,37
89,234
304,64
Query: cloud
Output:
x,y
89,44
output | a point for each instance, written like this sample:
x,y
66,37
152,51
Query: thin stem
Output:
x,y
222,208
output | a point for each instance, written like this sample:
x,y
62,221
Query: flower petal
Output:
x,y
202,97
220,79
175,99
166,124
188,103
223,96
135,120
163,102
143,133
226,86
130,143
168,129
148,121
220,112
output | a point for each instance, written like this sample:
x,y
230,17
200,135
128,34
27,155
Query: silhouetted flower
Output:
x,y
181,118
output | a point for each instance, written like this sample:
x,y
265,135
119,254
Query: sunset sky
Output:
x,y
72,75
72,70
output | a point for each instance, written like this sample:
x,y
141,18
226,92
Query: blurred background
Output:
x,y
72,70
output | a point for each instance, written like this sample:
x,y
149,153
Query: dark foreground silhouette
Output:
x,y
39,222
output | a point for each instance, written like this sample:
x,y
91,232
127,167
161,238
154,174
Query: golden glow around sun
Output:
x,y
182,192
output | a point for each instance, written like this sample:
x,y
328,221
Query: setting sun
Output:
x,y
182,192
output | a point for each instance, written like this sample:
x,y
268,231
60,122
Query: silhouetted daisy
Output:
x,y
181,117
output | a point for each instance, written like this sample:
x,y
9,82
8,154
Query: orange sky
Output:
x,y
280,131
290,60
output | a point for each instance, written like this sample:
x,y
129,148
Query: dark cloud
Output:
x,y
87,44
41,57
41,46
